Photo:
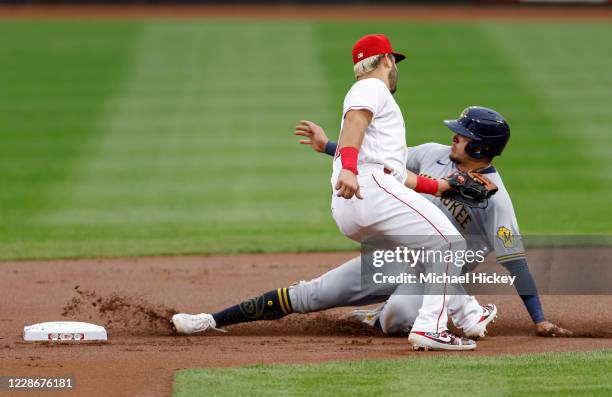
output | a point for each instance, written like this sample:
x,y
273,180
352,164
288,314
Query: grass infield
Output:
x,y
549,374
161,138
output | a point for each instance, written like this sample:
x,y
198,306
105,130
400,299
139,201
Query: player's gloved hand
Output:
x,y
470,188
315,134
546,328
347,185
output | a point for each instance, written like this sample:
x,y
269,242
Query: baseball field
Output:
x,y
148,166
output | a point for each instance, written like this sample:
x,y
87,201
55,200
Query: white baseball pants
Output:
x,y
389,208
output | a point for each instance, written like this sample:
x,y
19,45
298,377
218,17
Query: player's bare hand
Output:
x,y
546,328
315,135
443,186
347,185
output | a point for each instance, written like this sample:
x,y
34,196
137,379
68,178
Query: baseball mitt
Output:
x,y
470,188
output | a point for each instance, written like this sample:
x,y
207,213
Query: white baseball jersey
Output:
x,y
384,142
388,207
494,228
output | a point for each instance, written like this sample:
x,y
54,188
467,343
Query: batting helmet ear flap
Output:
x,y
474,150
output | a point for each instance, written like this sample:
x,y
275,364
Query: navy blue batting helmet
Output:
x,y
487,129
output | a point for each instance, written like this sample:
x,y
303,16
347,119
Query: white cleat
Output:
x,y
439,341
479,330
188,324
368,317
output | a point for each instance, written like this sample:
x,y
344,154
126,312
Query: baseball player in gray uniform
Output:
x,y
480,135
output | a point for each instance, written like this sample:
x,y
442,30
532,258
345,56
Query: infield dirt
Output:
x,y
134,297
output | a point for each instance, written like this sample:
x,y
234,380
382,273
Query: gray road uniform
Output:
x,y
493,228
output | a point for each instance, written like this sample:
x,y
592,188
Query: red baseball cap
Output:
x,y
374,44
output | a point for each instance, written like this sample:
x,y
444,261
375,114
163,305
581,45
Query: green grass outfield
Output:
x,y
549,374
159,138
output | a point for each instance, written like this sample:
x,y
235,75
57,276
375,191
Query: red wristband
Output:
x,y
348,156
426,185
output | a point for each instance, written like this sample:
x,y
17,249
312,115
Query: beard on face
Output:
x,y
393,79
455,159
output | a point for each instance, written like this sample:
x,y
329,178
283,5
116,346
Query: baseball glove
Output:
x,y
470,188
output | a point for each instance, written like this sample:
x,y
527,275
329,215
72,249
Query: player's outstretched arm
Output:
x,y
315,137
526,287
413,180
319,142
